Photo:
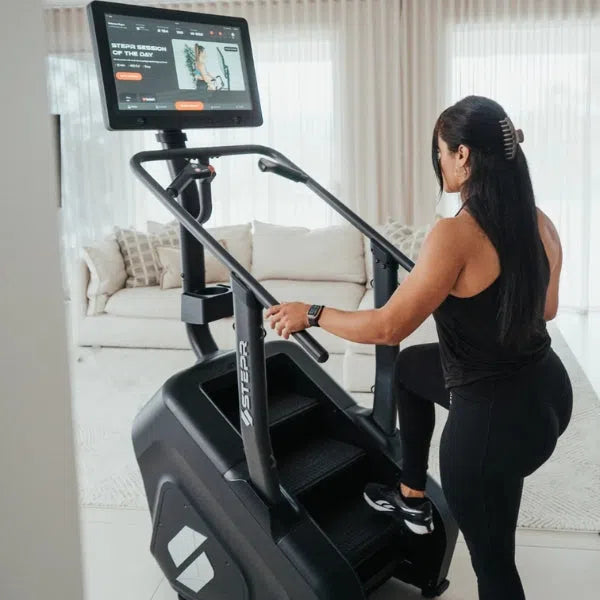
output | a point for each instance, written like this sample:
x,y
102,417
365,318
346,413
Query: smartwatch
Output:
x,y
314,312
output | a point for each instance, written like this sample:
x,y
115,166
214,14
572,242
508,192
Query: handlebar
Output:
x,y
305,339
269,166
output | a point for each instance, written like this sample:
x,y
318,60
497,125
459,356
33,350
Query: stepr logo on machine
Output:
x,y
246,406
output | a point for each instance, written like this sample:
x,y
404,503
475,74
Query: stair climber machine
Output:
x,y
254,460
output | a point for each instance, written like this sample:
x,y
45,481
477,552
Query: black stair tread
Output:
x,y
359,532
316,459
283,405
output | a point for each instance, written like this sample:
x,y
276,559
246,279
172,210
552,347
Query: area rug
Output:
x,y
111,385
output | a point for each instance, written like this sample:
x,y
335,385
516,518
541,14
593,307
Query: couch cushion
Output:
x,y
337,294
332,253
147,302
154,303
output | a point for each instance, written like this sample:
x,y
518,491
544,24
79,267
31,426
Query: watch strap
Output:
x,y
314,312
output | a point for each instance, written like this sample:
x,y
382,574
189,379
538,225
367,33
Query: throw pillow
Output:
x,y
139,257
237,237
169,261
107,273
407,238
333,253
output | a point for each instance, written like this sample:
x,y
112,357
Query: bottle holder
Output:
x,y
211,304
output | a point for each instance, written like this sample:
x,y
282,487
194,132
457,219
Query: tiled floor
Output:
x,y
553,566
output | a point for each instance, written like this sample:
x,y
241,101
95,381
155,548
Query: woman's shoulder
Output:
x,y
550,238
546,225
451,234
466,228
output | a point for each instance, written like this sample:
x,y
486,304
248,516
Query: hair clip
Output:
x,y
510,137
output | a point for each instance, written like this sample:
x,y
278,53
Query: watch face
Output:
x,y
313,310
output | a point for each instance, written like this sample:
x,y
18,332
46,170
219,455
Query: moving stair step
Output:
x,y
316,460
286,405
358,531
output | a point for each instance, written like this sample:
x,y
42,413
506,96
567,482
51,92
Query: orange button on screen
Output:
x,y
189,105
128,76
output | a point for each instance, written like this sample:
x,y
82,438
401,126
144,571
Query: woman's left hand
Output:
x,y
288,318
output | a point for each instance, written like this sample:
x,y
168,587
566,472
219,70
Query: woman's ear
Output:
x,y
463,155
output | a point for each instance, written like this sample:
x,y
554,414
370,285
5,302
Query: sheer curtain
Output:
x,y
328,75
541,61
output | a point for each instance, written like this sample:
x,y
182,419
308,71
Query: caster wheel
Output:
x,y
435,591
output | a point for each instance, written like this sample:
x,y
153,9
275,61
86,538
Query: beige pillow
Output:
x,y
139,257
139,253
156,227
107,273
333,253
169,261
237,237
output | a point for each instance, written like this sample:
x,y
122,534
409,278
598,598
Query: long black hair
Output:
x,y
499,195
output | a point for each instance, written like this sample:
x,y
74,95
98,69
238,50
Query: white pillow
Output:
x,y
107,273
238,239
156,227
332,253
169,260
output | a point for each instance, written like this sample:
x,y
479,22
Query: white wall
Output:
x,y
39,535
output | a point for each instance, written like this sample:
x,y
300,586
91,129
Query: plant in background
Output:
x,y
190,60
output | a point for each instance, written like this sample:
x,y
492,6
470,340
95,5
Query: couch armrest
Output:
x,y
78,305
79,287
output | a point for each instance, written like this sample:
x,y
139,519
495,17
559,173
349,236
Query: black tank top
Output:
x,y
468,339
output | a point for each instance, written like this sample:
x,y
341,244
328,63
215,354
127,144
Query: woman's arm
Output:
x,y
553,249
424,289
362,326
204,73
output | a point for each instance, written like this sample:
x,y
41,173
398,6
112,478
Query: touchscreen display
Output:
x,y
177,66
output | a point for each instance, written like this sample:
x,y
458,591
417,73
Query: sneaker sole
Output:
x,y
415,528
418,529
387,507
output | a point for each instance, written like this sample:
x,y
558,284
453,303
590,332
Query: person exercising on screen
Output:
x,y
204,80
489,276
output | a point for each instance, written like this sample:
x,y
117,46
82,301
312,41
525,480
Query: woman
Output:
x,y
204,80
489,276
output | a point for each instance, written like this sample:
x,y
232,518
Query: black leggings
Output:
x,y
497,433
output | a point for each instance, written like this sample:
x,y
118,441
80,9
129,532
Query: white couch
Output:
x,y
149,317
